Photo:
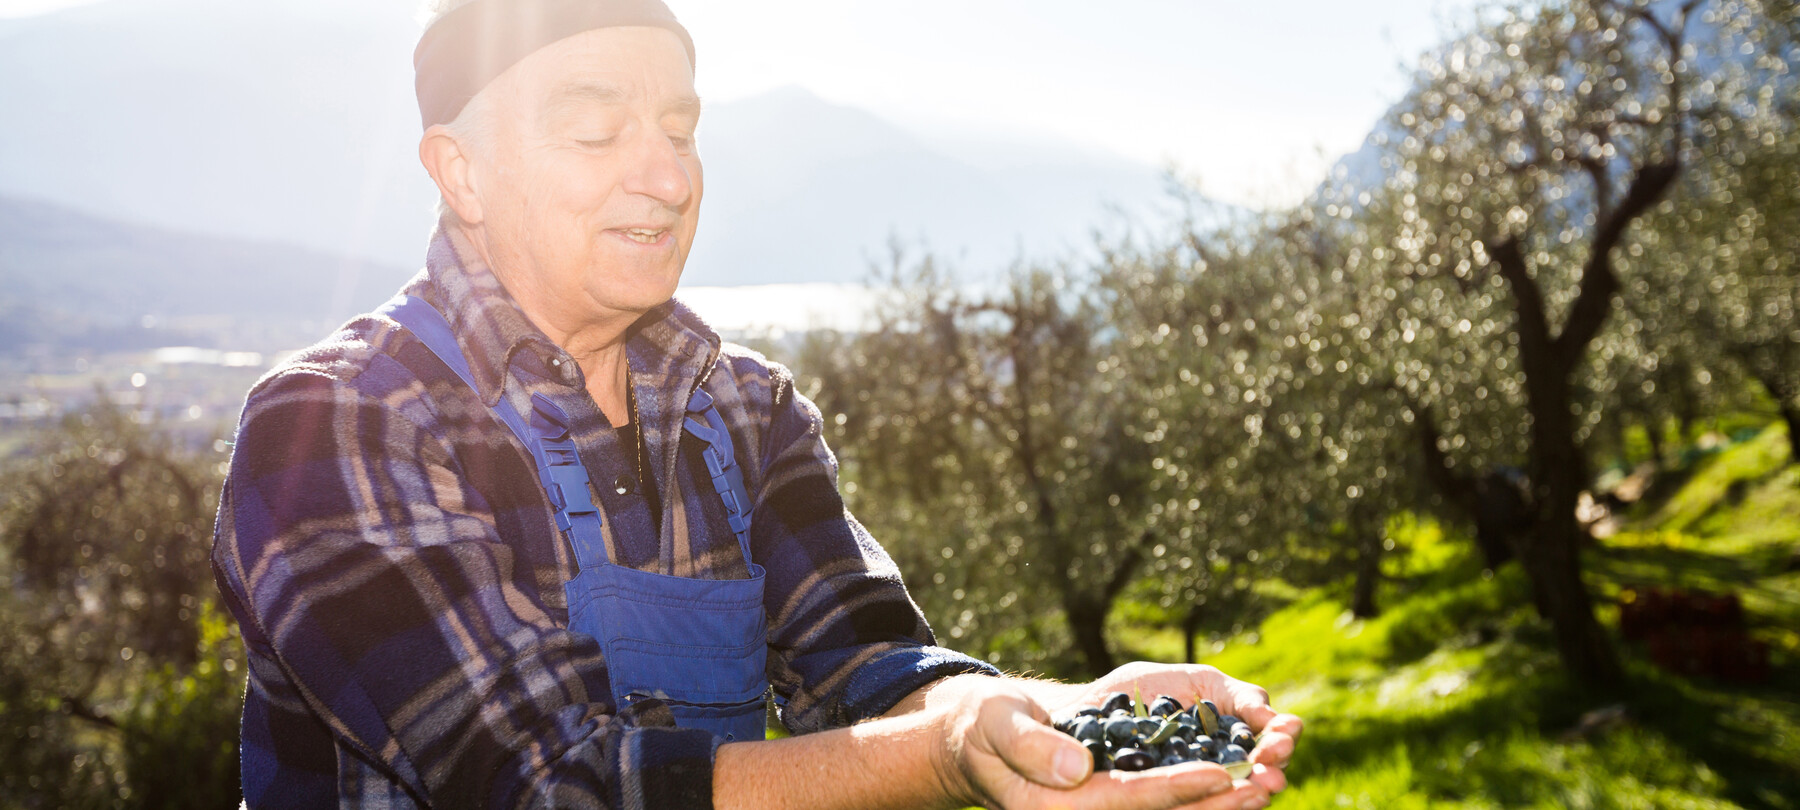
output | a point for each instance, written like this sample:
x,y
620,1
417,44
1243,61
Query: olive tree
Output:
x,y
114,689
1525,153
996,453
1731,250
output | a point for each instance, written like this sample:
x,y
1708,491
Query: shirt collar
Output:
x,y
491,329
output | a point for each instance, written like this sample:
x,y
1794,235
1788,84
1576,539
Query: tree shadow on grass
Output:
x,y
1466,609
1462,751
1751,571
1738,733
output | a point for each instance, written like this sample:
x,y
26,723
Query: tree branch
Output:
x,y
1455,487
76,707
1598,282
1126,569
1534,323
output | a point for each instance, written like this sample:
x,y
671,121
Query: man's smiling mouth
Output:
x,y
643,236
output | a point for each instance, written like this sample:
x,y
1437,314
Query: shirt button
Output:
x,y
624,485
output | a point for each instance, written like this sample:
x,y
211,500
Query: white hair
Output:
x,y
473,129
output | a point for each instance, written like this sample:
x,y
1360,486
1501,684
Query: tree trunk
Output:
x,y
1368,575
1550,550
1087,624
1791,415
1653,429
1552,559
1190,627
1368,563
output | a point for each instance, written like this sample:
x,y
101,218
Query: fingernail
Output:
x,y
1255,803
1071,764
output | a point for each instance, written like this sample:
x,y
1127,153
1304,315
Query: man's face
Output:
x,y
590,187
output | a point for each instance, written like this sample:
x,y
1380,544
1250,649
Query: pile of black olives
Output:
x,y
1128,736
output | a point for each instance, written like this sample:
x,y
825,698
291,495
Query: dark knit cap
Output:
x,y
467,48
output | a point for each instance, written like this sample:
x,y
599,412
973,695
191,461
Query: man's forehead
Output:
x,y
583,91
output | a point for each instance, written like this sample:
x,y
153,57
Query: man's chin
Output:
x,y
636,297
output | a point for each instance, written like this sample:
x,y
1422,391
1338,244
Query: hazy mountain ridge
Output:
x,y
73,280
294,122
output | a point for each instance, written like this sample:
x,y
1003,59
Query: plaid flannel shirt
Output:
x,y
396,570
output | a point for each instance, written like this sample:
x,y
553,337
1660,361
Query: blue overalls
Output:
x,y
699,645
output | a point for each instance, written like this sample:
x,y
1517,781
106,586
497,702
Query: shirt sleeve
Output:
x,y
846,641
370,583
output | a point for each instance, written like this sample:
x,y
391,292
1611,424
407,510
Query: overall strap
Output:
x,y
703,420
545,436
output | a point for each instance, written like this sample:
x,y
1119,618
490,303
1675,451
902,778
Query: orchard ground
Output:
x,y
1452,697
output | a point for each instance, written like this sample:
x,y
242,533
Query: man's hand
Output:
x,y
1000,752
1190,683
978,739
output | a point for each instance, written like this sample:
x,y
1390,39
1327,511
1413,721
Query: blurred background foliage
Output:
x,y
120,681
1405,453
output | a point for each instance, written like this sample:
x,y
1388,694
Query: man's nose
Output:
x,y
657,171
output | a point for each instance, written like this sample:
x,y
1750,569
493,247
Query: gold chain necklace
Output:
x,y
637,425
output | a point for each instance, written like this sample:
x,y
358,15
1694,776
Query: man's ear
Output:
x,y
447,160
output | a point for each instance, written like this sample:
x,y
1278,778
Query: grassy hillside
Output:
x,y
1452,697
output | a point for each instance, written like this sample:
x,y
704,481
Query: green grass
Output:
x,y
1724,479
1452,697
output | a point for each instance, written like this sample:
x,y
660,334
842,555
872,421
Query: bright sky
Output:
x,y
1254,99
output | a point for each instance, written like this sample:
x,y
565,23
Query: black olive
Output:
x,y
1131,759
1227,721
1102,759
1117,701
1087,729
1120,729
1164,706
1236,762
1243,740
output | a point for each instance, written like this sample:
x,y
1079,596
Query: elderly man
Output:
x,y
530,534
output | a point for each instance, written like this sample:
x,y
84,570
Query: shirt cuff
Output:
x,y
668,767
878,685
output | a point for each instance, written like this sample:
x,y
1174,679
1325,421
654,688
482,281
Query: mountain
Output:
x,y
294,121
802,190
71,280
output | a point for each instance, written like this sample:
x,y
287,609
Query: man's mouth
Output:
x,y
643,236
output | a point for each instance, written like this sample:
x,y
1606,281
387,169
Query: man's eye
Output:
x,y
596,144
683,143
